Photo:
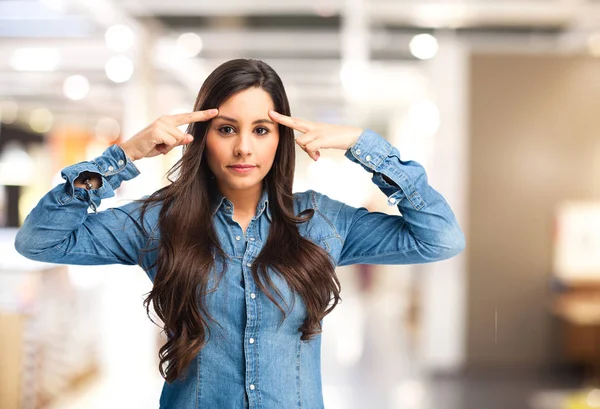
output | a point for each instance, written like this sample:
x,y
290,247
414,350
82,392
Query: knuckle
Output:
x,y
154,129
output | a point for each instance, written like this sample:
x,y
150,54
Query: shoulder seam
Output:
x,y
316,208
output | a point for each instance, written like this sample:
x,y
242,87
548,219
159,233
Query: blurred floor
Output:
x,y
369,360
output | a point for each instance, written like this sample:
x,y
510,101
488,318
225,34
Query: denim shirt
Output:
x,y
249,361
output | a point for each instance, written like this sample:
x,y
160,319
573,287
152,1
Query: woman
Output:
x,y
242,269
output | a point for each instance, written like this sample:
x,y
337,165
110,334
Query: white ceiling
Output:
x,y
302,39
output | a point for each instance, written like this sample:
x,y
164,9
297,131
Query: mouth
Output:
x,y
242,168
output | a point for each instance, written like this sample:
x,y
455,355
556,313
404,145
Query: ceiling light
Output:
x,y
35,59
424,46
119,68
76,87
119,38
189,45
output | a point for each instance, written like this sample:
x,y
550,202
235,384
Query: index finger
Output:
x,y
294,123
196,116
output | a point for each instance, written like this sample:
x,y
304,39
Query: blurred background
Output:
x,y
498,99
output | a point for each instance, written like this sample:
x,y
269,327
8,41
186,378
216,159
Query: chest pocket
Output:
x,y
321,232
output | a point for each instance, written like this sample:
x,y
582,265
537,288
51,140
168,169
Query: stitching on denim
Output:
x,y
327,247
111,172
257,381
60,198
381,158
336,233
198,379
417,207
382,254
230,230
298,365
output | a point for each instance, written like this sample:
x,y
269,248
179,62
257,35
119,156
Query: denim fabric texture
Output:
x,y
249,361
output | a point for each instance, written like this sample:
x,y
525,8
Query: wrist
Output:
x,y
129,153
357,133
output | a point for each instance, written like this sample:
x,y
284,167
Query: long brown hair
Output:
x,y
188,240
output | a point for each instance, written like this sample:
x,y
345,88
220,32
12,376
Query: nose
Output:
x,y
243,145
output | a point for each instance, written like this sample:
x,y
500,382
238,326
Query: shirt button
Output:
x,y
393,201
227,207
251,238
121,163
368,158
358,151
110,168
251,340
249,265
252,295
238,238
252,387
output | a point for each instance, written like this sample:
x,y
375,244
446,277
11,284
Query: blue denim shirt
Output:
x,y
249,361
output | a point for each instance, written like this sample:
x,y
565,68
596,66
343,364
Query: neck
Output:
x,y
244,201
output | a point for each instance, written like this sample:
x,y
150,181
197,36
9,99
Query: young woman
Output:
x,y
243,269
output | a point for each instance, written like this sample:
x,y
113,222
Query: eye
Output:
x,y
226,129
262,131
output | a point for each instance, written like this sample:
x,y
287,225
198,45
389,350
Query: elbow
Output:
x,y
22,245
26,245
447,244
458,243
452,243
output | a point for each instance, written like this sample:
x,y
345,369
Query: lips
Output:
x,y
243,166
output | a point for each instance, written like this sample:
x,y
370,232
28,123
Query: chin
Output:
x,y
245,184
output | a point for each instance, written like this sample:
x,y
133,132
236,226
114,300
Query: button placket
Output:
x,y
252,311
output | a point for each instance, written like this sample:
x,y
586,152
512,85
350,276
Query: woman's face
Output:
x,y
242,140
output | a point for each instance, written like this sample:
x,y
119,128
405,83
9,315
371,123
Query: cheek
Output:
x,y
272,149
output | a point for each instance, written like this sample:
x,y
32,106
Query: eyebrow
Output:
x,y
258,121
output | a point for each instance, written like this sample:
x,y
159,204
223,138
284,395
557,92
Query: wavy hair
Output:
x,y
185,252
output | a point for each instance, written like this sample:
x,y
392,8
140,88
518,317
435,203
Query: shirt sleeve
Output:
x,y
61,230
426,229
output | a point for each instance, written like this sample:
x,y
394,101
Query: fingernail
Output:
x,y
190,137
213,111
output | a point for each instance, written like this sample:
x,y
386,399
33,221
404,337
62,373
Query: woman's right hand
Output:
x,y
163,135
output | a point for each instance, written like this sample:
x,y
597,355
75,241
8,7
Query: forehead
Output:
x,y
248,103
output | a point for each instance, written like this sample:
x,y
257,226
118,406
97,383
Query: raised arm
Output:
x,y
61,230
425,231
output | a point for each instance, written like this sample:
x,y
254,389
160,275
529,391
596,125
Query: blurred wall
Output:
x,y
535,141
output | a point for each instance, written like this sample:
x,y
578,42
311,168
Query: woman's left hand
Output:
x,y
319,135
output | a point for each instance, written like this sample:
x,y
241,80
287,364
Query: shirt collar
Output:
x,y
221,201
